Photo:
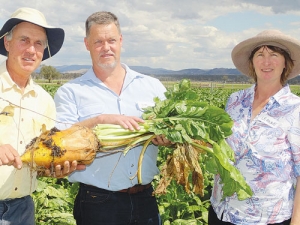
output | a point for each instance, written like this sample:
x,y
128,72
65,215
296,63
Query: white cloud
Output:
x,y
169,34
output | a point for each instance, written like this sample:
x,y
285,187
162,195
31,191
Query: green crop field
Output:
x,y
54,197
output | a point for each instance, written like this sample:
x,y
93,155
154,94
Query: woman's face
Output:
x,y
268,65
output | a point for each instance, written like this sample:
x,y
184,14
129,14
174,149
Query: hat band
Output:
x,y
49,51
275,44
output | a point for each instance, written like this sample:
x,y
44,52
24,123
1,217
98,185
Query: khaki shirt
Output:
x,y
19,124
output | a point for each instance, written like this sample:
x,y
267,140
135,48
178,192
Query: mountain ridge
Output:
x,y
155,71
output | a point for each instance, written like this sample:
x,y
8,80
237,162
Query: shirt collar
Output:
x,y
8,83
278,96
282,92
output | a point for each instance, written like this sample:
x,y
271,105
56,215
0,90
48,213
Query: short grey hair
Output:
x,y
9,33
102,17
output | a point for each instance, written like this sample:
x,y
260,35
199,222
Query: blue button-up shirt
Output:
x,y
267,152
86,97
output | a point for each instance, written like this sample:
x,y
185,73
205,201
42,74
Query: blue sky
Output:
x,y
170,34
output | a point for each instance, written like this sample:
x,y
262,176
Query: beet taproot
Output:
x,y
54,147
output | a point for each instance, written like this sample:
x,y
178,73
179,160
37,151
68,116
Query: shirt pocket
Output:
x,y
90,111
8,128
7,113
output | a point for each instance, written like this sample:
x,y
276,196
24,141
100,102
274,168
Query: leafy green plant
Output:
x,y
53,200
178,207
50,88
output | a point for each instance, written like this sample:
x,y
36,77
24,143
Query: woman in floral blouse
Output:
x,y
266,135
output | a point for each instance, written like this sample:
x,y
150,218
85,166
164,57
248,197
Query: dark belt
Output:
x,y
132,190
136,189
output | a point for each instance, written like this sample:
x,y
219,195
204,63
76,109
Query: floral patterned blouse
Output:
x,y
267,152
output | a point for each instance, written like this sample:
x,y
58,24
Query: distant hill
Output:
x,y
73,68
155,71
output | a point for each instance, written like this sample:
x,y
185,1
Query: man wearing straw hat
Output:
x,y
266,135
25,108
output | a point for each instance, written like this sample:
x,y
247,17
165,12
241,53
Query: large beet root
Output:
x,y
54,147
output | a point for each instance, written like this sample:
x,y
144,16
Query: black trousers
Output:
x,y
213,219
96,206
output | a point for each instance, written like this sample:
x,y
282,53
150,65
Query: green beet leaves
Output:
x,y
183,118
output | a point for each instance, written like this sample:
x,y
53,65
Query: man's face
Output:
x,y
26,48
104,43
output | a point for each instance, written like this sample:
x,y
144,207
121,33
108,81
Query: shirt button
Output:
x,y
22,119
21,142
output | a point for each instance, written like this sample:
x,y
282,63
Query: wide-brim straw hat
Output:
x,y
55,36
242,51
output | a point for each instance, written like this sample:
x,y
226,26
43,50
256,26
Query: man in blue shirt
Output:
x,y
110,92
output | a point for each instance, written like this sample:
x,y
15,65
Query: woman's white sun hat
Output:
x,y
55,36
242,51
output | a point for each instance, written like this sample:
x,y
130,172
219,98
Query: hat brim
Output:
x,y
242,51
55,37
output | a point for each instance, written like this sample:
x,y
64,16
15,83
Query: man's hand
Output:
x,y
127,122
161,140
67,169
9,156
